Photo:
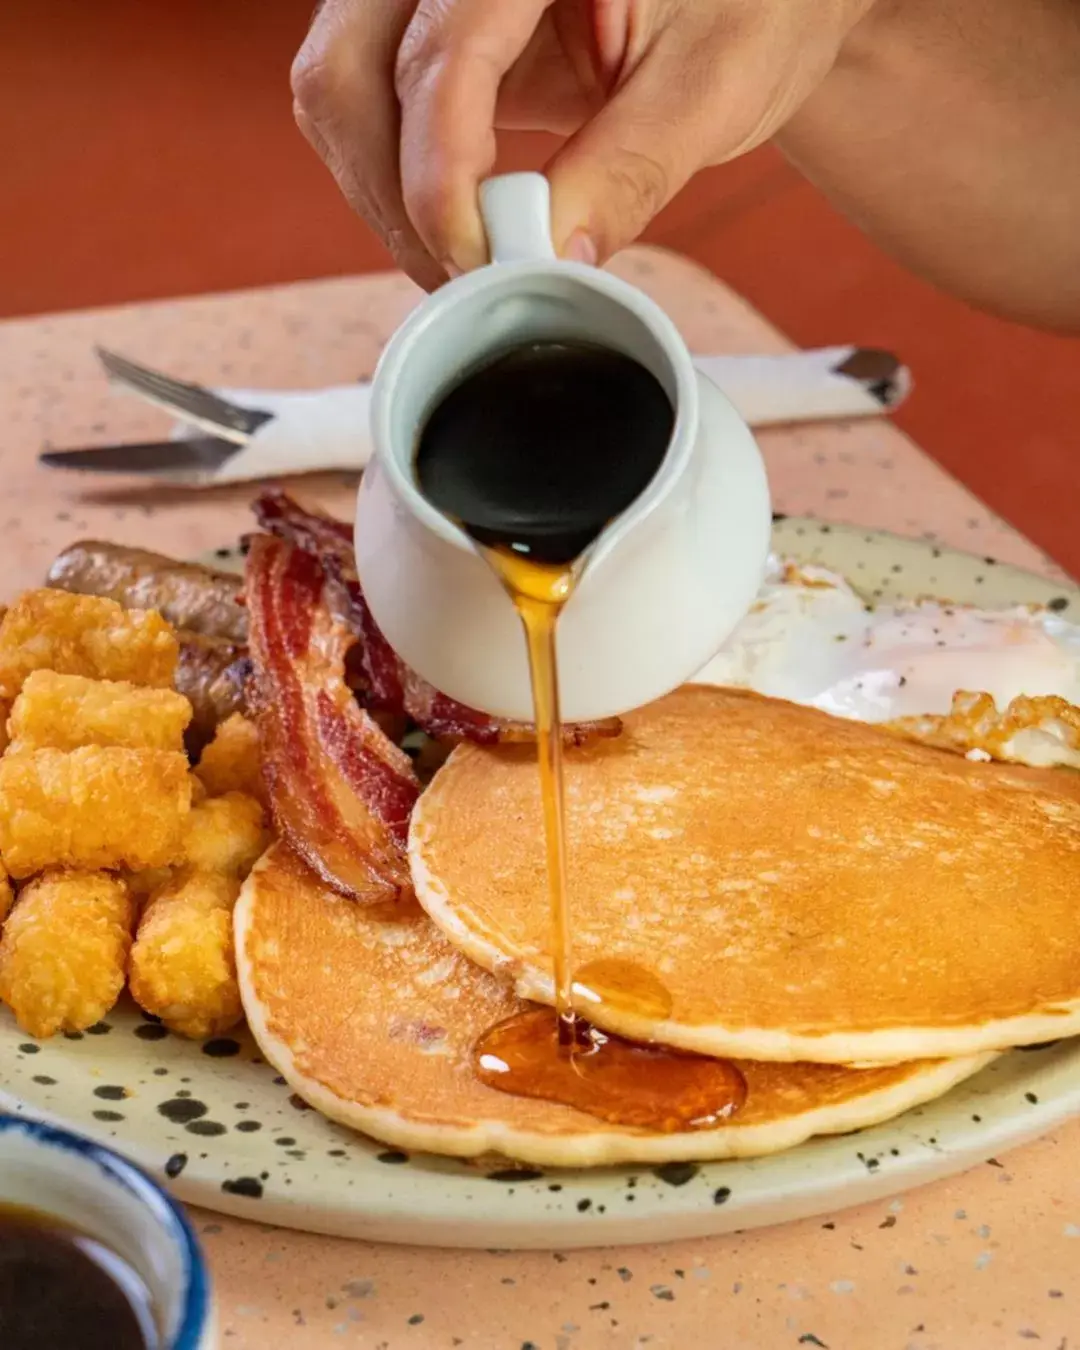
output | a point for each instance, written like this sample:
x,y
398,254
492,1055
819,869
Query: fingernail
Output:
x,y
581,248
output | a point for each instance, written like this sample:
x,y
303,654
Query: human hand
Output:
x,y
402,99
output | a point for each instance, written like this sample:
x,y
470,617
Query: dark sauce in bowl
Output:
x,y
61,1289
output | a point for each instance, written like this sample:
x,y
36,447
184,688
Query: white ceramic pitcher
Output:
x,y
665,583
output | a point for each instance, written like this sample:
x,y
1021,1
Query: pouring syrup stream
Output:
x,y
533,456
539,592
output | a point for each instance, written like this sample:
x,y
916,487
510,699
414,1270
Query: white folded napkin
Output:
x,y
316,430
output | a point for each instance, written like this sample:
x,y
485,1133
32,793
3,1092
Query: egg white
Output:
x,y
812,640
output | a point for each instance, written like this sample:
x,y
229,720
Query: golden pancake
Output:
x,y
371,1016
806,888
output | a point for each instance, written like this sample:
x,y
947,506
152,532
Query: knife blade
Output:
x,y
195,455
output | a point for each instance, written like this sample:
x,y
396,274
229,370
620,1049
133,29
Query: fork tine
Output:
x,y
176,395
150,382
191,402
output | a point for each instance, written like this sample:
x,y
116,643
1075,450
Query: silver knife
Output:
x,y
197,455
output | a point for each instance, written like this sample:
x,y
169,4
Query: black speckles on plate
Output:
x,y
110,1117
676,1173
207,1128
222,1047
181,1110
175,1165
111,1092
43,1080
515,1174
29,1048
721,1195
1058,603
298,1104
99,1029
151,1031
393,1156
248,1126
251,1188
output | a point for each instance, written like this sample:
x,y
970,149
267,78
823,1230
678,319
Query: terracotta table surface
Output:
x,y
988,1259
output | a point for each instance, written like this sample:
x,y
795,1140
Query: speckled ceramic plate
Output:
x,y
219,1125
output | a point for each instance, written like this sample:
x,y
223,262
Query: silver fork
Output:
x,y
190,402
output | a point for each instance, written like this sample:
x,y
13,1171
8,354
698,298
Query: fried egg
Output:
x,y
811,639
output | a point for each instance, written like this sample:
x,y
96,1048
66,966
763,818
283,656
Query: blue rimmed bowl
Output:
x,y
93,1189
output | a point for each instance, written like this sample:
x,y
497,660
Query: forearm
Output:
x,y
949,130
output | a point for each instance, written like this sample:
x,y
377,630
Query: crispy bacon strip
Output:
x,y
389,685
341,792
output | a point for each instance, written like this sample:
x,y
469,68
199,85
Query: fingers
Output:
x,y
343,86
452,61
707,83
616,173
401,99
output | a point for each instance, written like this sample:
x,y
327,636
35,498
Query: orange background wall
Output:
x,y
147,149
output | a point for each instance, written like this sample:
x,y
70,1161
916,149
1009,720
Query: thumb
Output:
x,y
622,167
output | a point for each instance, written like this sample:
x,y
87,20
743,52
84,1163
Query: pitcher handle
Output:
x,y
516,211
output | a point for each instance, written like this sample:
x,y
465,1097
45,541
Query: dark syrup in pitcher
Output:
x,y
533,455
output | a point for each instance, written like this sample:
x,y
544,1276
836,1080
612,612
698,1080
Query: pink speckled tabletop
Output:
x,y
988,1259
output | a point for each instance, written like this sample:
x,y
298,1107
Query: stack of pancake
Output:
x,y
860,921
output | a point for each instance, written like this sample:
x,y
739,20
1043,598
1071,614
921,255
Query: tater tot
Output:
x,y
226,834
64,951
5,713
232,761
95,807
84,635
7,894
183,966
63,712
